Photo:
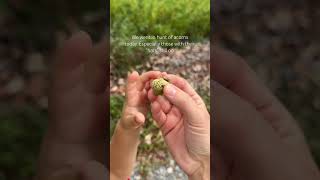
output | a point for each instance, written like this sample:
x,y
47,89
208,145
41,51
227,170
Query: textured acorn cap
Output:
x,y
158,85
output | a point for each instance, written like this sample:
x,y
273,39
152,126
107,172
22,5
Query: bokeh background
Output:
x,y
280,41
29,32
164,17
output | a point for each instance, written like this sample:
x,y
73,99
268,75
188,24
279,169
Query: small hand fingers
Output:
x,y
132,82
139,119
134,119
145,77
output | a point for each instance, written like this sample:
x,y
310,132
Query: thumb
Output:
x,y
133,120
180,99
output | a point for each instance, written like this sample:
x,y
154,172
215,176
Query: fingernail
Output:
x,y
169,90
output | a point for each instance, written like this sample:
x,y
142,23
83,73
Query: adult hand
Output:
x,y
185,123
254,135
75,143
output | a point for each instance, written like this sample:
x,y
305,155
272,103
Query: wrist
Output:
x,y
203,172
123,150
126,134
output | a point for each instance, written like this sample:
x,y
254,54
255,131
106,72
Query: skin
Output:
x,y
125,141
259,139
185,124
74,145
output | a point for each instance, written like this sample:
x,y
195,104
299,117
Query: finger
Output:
x,y
131,92
147,85
243,120
231,71
175,111
76,124
144,97
244,134
139,119
183,102
96,68
134,119
94,170
67,87
67,62
132,82
151,96
147,76
164,74
178,149
173,118
185,86
157,114
164,103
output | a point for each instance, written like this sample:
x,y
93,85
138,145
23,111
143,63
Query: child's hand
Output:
x,y
135,108
185,123
125,140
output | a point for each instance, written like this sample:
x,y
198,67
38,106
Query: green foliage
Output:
x,y
149,129
21,131
116,105
163,17
144,17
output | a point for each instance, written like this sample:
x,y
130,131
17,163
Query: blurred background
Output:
x,y
280,40
29,31
164,17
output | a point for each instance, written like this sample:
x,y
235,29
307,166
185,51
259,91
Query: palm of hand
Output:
x,y
179,134
175,131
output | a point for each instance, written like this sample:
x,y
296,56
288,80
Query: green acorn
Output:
x,y
158,85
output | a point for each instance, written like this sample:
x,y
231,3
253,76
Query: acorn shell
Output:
x,y
158,85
